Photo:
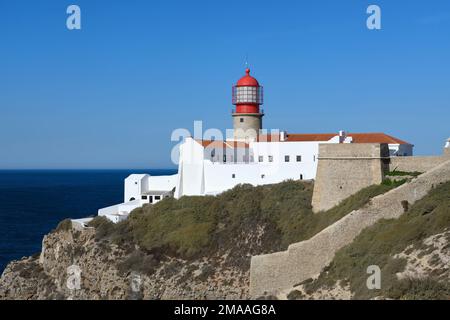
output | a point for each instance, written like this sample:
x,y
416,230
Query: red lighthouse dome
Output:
x,y
247,80
247,94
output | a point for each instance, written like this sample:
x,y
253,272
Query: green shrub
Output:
x,y
194,226
295,295
103,227
419,289
206,272
403,173
138,261
64,225
393,183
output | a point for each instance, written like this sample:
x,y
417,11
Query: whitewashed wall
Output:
x,y
400,150
190,169
161,183
199,176
135,184
278,150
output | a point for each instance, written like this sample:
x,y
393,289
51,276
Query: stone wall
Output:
x,y
344,169
272,273
417,163
249,127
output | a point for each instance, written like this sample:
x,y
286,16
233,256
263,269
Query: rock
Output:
x,y
73,265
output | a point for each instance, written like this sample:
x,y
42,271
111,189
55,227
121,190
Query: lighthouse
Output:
x,y
247,96
209,167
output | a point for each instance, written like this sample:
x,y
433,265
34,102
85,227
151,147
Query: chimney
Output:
x,y
447,147
342,136
283,135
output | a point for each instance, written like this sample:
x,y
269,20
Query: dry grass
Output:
x,y
379,243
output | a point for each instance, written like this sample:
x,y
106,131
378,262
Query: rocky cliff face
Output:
x,y
68,253
426,272
73,265
191,248
130,260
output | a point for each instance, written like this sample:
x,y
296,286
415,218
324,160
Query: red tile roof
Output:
x,y
222,144
310,136
376,137
269,137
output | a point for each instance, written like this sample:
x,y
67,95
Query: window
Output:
x,y
301,177
132,199
151,199
263,176
286,158
241,119
135,182
224,158
261,158
213,153
157,197
299,158
247,94
270,158
144,197
233,175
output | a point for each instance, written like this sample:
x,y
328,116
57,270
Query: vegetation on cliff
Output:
x,y
193,247
244,221
391,245
399,173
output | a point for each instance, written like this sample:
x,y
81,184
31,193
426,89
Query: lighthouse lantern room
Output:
x,y
247,96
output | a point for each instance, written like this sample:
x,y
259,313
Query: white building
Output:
x,y
210,167
140,189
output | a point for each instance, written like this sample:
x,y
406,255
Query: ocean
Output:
x,y
33,202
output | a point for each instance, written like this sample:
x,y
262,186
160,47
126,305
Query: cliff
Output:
x,y
52,274
192,248
410,243
412,253
198,248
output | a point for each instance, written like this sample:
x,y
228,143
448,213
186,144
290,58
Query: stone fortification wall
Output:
x,y
344,169
418,163
303,260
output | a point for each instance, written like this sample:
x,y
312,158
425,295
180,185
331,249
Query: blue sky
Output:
x,y
110,94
